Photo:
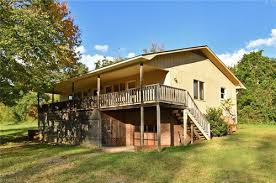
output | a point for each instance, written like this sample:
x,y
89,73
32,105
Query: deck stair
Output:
x,y
196,121
198,133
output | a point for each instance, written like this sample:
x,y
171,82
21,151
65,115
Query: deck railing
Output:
x,y
197,114
151,93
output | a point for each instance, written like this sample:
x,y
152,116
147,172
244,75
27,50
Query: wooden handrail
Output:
x,y
201,119
150,93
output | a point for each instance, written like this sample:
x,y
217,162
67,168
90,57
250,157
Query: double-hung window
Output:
x,y
198,90
222,93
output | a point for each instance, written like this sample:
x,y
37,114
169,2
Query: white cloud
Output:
x,y
102,48
263,42
88,59
130,55
230,59
80,49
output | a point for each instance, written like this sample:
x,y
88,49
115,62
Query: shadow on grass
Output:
x,y
15,135
183,148
23,162
150,166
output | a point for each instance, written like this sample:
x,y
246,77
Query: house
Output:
x,y
157,99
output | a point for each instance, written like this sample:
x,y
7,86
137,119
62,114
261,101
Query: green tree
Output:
x,y
154,47
258,102
106,62
103,63
37,46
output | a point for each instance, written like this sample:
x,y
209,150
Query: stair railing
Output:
x,y
194,110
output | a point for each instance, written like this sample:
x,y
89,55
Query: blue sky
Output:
x,y
124,28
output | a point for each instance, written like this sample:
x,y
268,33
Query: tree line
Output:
x,y
38,41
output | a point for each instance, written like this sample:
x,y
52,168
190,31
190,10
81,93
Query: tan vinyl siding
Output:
x,y
186,67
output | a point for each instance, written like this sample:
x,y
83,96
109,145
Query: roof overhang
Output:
x,y
147,57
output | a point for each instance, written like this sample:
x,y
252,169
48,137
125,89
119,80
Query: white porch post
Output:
x,y
99,112
185,119
158,120
141,105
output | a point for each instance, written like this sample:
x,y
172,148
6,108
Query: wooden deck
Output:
x,y
151,94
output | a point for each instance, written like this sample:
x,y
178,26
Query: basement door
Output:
x,y
113,133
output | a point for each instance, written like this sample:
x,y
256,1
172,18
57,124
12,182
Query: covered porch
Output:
x,y
80,115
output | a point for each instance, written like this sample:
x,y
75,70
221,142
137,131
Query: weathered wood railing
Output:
x,y
128,97
173,95
197,114
151,93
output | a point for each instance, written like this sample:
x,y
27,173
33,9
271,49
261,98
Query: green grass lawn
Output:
x,y
247,156
11,131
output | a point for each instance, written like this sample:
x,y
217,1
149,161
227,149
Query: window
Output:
x,y
116,87
198,90
147,128
195,89
122,86
150,128
222,93
119,87
108,89
201,90
131,84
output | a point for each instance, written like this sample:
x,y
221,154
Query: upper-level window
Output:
x,y
222,93
198,90
116,87
131,84
108,89
122,86
119,87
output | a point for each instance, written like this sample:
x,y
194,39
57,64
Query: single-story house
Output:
x,y
156,99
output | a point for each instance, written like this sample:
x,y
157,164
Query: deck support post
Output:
x,y
141,105
99,112
73,94
158,120
98,91
192,134
185,121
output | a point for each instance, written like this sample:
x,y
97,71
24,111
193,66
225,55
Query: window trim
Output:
x,y
199,97
203,92
224,94
130,81
195,90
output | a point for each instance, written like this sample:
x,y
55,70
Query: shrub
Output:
x,y
218,126
6,114
24,105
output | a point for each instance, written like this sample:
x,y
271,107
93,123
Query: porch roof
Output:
x,y
127,66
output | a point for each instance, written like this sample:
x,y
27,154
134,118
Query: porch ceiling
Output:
x,y
65,87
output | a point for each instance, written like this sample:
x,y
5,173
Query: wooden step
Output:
x,y
178,114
